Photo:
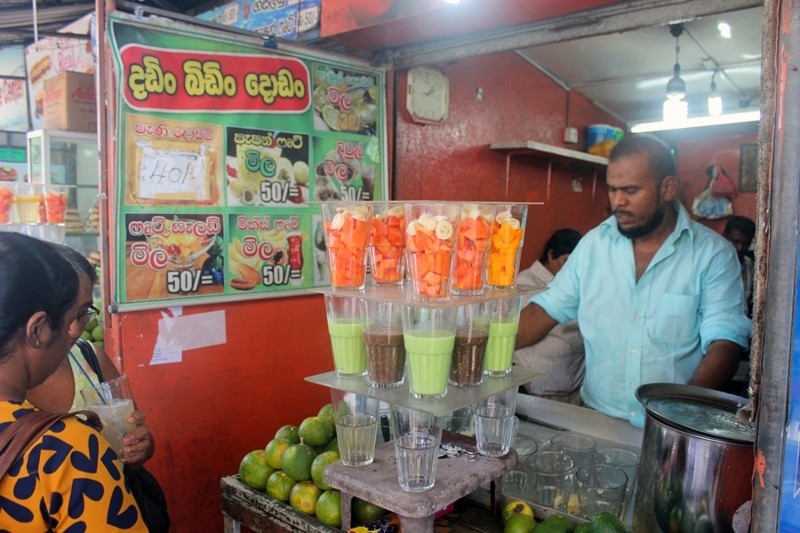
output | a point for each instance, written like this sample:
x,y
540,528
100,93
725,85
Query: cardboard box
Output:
x,y
70,102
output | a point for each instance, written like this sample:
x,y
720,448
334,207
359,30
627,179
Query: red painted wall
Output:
x,y
453,160
220,402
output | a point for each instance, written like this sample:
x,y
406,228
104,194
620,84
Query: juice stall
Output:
x,y
246,346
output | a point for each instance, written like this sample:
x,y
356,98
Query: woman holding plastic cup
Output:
x,y
38,303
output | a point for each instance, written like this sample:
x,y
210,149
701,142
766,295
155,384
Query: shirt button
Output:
x,y
633,413
634,350
638,317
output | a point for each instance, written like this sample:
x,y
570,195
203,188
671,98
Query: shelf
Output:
x,y
403,295
456,398
551,154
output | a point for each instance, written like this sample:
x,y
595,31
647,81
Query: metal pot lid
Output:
x,y
697,410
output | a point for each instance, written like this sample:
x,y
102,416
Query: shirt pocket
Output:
x,y
676,318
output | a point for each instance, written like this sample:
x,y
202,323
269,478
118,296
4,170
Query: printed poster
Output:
x,y
225,152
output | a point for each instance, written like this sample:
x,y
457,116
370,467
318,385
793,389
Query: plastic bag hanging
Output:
x,y
707,204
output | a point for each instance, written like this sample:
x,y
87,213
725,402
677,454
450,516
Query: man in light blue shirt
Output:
x,y
658,296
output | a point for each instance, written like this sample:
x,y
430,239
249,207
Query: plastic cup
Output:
x,y
7,193
417,436
347,335
508,232
625,460
113,403
356,418
383,338
494,423
551,479
601,488
430,245
28,202
578,446
387,244
472,248
503,326
55,203
346,227
429,335
472,335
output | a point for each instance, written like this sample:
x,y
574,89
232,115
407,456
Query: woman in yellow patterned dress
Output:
x,y
69,479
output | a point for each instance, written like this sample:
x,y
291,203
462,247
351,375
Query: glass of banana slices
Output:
x,y
430,246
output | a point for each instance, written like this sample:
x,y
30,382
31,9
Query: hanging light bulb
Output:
x,y
714,99
675,108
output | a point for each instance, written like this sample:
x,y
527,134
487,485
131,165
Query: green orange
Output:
x,y
297,461
275,450
316,431
329,508
319,465
280,485
304,496
254,470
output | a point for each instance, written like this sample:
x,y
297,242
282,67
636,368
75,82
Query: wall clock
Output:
x,y
428,99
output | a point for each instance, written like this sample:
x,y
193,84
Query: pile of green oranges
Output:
x,y
292,465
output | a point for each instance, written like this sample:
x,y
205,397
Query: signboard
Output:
x,y
13,104
225,152
287,19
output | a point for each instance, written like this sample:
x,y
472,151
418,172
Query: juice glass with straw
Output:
x,y
113,403
430,243
472,246
387,244
346,227
505,248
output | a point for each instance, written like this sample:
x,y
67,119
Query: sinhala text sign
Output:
x,y
225,150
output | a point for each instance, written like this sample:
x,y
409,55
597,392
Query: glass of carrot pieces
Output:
x,y
346,227
472,248
430,246
387,243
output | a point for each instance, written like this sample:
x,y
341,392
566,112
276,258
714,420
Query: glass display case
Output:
x,y
66,158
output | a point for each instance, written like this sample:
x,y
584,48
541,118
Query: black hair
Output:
x,y
659,155
562,241
33,277
740,223
79,262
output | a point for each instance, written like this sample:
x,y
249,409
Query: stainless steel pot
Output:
x,y
697,460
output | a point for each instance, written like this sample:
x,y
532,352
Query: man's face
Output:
x,y
636,199
740,241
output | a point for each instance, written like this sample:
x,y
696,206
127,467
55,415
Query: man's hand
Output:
x,y
534,324
718,366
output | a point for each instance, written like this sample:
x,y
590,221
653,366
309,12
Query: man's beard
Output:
x,y
644,229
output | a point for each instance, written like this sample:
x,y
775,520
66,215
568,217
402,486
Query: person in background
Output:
x,y
61,391
559,355
740,232
657,295
69,479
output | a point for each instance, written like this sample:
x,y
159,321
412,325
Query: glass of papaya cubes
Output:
x,y
346,226
430,246
505,247
472,248
7,191
387,243
55,203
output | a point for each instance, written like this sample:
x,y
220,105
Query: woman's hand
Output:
x,y
138,444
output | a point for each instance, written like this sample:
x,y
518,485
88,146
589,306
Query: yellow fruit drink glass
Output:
x,y
29,202
347,335
503,326
430,243
429,336
346,227
505,248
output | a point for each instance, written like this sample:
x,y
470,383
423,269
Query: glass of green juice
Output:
x,y
347,335
503,326
429,335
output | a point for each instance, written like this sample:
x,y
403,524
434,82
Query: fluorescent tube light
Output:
x,y
696,122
